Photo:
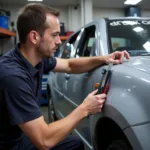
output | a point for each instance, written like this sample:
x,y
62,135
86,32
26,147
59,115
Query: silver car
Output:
x,y
124,123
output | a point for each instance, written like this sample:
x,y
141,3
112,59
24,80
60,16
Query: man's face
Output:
x,y
50,40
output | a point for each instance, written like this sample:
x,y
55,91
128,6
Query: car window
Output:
x,y
89,46
86,43
69,47
130,35
120,43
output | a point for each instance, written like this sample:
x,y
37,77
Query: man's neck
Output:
x,y
30,54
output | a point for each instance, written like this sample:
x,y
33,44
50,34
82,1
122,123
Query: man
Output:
x,y
22,126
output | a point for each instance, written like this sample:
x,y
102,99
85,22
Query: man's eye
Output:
x,y
54,35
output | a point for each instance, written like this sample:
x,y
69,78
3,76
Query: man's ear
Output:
x,y
34,37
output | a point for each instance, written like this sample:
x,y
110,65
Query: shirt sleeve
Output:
x,y
20,100
49,64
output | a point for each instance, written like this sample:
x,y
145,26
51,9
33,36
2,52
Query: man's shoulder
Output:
x,y
9,65
49,64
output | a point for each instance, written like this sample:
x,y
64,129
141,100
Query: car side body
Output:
x,y
125,118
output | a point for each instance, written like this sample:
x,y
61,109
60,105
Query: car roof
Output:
x,y
110,19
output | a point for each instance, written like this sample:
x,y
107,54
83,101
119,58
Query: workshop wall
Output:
x,y
113,13
71,25
145,13
14,13
106,12
7,44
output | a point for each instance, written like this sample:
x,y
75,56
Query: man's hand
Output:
x,y
93,103
117,57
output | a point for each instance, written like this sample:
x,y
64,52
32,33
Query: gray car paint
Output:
x,y
127,101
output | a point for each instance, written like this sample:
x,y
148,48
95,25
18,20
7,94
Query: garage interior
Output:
x,y
74,14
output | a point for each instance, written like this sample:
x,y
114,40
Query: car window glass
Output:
x,y
131,35
120,43
86,42
69,47
90,45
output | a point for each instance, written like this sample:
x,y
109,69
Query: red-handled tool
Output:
x,y
104,84
106,88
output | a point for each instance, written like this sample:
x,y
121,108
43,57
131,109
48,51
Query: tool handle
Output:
x,y
106,88
104,84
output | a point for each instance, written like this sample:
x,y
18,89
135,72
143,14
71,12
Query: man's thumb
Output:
x,y
94,92
116,61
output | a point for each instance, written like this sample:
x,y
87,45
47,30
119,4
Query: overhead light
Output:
x,y
35,0
132,2
138,29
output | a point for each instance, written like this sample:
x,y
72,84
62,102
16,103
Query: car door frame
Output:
x,y
63,79
85,76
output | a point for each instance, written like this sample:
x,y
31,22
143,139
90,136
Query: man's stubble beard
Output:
x,y
43,53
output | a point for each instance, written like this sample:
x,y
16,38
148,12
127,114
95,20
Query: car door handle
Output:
x,y
87,74
67,76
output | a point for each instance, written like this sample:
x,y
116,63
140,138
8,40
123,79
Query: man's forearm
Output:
x,y
60,129
84,64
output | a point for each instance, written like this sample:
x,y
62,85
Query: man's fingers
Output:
x,y
121,57
101,96
94,92
126,54
115,62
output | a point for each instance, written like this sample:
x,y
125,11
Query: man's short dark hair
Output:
x,y
33,17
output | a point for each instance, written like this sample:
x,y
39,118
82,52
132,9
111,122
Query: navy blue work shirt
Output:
x,y
20,93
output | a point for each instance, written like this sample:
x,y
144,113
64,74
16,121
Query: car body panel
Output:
x,y
142,137
127,102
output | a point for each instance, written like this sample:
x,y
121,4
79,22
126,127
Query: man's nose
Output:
x,y
58,40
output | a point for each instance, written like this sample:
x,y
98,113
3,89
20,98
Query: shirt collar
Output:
x,y
32,70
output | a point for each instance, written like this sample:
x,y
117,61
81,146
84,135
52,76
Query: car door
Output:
x,y
67,51
80,85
